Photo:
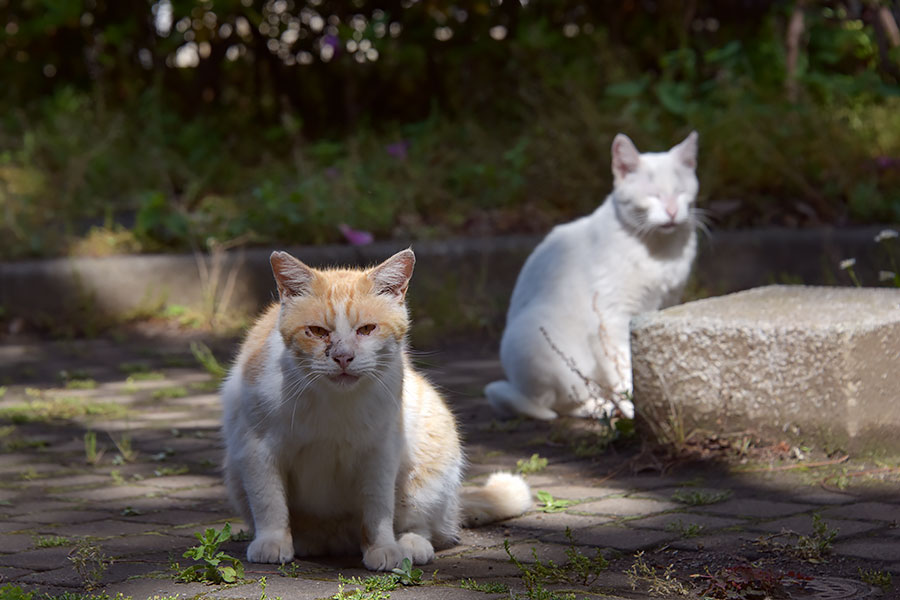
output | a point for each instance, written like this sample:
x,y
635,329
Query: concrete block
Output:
x,y
818,363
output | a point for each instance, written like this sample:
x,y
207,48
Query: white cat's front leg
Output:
x,y
380,549
613,354
264,485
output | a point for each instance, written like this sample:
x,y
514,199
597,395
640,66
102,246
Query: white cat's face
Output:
x,y
655,191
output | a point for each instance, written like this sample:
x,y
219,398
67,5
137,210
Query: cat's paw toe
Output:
x,y
275,548
627,409
384,558
417,548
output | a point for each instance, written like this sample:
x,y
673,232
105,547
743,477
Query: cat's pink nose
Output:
x,y
672,211
342,359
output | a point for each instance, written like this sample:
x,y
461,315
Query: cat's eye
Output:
x,y
317,331
366,329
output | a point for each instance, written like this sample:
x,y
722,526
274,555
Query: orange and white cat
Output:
x,y
333,442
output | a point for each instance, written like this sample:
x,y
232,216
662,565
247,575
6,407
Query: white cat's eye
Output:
x,y
366,329
317,331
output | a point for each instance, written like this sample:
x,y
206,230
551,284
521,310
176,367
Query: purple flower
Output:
x,y
332,172
355,237
398,149
333,41
887,162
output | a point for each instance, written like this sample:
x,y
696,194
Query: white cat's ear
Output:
x,y
292,276
392,276
625,157
686,151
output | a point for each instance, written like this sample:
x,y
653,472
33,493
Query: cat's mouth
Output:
x,y
344,379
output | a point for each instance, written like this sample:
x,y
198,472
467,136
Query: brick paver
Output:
x,y
144,511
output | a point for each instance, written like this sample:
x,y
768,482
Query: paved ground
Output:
x,y
742,520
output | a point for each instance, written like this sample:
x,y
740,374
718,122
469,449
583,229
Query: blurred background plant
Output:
x,y
166,125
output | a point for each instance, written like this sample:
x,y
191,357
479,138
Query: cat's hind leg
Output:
x,y
508,401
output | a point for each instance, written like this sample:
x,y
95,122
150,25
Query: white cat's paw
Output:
x,y
271,548
384,558
594,408
627,409
417,548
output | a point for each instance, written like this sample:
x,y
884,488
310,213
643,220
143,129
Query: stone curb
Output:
x,y
476,269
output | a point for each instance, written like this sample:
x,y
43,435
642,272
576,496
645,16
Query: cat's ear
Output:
x,y
292,276
391,277
686,151
625,157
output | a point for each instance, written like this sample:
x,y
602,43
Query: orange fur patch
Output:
x,y
340,289
253,351
331,290
439,447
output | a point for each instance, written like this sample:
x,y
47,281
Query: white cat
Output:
x,y
333,442
566,347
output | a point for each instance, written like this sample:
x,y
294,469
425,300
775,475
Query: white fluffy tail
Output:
x,y
503,496
508,401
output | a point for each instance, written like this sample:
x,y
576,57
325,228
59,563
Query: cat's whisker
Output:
x,y
379,381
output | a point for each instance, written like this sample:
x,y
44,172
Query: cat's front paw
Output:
x,y
271,548
384,558
418,548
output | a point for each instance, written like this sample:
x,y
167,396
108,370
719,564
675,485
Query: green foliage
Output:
x,y
535,464
815,547
208,360
263,584
81,384
92,454
14,592
52,541
244,536
39,409
127,452
491,587
579,569
407,575
89,562
169,471
168,393
878,578
375,587
659,581
685,530
552,504
700,497
128,151
215,566
149,376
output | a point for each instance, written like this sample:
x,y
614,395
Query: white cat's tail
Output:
x,y
507,400
503,496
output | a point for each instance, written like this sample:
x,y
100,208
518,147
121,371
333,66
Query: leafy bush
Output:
x,y
504,126
214,565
